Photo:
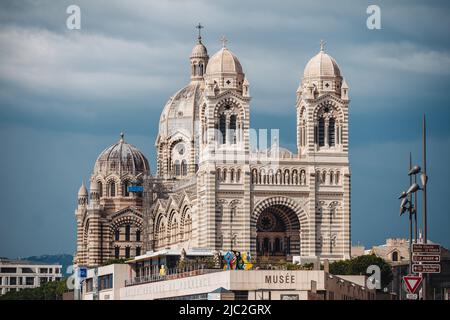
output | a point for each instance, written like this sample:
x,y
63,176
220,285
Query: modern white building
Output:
x,y
205,284
16,275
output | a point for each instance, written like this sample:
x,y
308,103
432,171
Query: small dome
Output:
x,y
82,192
199,51
223,61
322,65
121,158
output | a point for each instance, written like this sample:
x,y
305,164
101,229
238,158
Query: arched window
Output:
x,y
395,256
321,132
223,128
331,133
233,128
112,189
127,252
127,232
177,168
117,235
183,167
138,235
117,252
100,189
125,191
138,251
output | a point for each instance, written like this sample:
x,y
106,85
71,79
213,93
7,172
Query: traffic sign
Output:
x,y
426,258
412,282
426,268
411,296
426,248
82,272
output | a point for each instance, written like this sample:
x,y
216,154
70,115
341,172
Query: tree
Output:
x,y
359,265
48,291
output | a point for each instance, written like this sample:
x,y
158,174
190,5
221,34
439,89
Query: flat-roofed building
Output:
x,y
16,275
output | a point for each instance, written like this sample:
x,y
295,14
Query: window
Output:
x,y
127,232
8,270
331,133
105,282
89,285
27,270
125,192
42,280
29,281
112,189
43,270
177,168
223,129
116,252
395,256
100,189
127,252
183,168
117,235
138,235
233,128
321,132
12,281
138,251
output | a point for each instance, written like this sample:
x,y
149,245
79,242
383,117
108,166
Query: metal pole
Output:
x,y
424,168
415,212
410,218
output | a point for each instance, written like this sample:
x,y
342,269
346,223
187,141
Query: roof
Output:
x,y
122,157
224,61
172,252
321,65
26,262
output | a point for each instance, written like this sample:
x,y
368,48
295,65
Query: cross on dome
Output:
x,y
224,41
322,45
199,27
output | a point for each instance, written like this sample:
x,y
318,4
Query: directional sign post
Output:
x,y
430,258
412,283
426,248
426,268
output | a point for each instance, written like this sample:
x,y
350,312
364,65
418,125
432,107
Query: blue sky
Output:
x,y
66,95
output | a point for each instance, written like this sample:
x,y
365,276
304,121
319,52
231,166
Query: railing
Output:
x,y
171,274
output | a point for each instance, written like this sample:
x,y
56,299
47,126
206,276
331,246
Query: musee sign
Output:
x,y
278,279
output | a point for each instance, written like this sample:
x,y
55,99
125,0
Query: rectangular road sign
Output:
x,y
426,258
411,296
426,248
426,268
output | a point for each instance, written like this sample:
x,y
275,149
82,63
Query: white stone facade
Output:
x,y
213,190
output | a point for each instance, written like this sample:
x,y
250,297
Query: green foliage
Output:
x,y
48,291
206,262
115,261
359,265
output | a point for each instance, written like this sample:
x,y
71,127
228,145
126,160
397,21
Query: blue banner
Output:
x,y
135,188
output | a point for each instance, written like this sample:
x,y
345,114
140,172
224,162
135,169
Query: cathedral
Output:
x,y
212,189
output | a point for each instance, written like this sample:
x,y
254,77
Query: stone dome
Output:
x,y
199,51
223,61
322,65
121,158
181,110
82,192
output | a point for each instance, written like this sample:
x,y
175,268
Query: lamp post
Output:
x,y
407,204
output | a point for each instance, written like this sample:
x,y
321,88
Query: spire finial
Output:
x,y
121,137
199,27
322,45
224,41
